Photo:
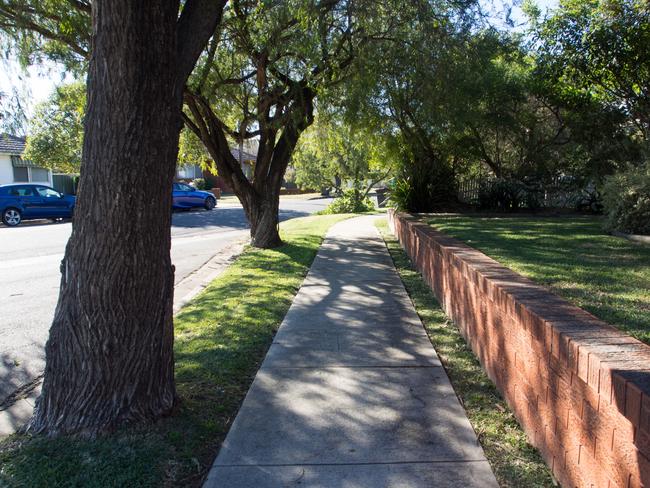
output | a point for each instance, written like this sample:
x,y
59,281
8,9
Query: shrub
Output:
x,y
400,195
588,199
350,201
433,187
425,186
626,198
198,183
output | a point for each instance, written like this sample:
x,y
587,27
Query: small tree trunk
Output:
x,y
109,357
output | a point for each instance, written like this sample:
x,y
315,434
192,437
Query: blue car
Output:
x,y
22,201
186,196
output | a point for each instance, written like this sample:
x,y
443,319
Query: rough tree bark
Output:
x,y
261,196
109,357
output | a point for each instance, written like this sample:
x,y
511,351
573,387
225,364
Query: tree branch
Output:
x,y
197,23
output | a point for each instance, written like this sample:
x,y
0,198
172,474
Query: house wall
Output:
x,y
6,169
579,387
189,172
7,172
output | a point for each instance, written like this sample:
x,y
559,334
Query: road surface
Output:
x,y
29,275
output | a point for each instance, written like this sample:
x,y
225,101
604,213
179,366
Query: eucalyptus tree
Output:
x,y
56,129
109,356
259,79
602,48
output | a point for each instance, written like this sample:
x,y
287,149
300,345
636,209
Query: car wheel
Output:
x,y
210,203
11,217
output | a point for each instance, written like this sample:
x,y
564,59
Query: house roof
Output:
x,y
245,155
11,144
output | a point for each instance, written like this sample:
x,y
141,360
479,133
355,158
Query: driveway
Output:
x,y
29,275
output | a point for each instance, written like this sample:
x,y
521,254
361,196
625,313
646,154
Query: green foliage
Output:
x,y
351,201
192,151
626,196
12,113
479,100
55,133
424,186
601,47
400,195
54,30
332,152
198,183
433,186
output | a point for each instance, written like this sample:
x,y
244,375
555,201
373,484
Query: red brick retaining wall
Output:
x,y
579,387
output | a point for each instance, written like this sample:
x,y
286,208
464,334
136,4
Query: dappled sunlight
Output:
x,y
350,379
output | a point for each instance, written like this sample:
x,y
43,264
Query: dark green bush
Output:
x,y
351,201
589,200
400,195
433,187
424,187
500,194
198,183
626,198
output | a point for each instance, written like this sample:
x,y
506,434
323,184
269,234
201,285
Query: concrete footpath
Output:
x,y
351,393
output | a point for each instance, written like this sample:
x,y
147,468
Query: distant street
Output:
x,y
29,275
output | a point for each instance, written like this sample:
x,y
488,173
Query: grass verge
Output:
x,y
605,275
221,339
514,461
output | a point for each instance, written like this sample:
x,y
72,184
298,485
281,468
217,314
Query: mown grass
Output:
x,y
221,339
605,275
514,461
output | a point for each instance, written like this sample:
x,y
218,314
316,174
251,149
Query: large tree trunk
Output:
x,y
109,357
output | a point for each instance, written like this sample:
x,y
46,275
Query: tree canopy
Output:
x,y
56,130
601,48
332,153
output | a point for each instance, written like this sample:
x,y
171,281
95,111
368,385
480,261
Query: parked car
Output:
x,y
186,196
22,201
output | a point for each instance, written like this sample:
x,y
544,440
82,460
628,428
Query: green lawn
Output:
x,y
514,461
221,339
607,276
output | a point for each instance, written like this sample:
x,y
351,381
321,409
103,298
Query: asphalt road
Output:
x,y
29,275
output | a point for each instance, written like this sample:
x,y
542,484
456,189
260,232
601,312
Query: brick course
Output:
x,y
579,387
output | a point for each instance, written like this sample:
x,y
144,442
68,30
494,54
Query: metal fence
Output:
x,y
561,192
468,190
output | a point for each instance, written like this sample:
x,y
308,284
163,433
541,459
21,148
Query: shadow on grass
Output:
x,y
607,276
221,338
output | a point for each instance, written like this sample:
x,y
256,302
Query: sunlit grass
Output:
x,y
514,461
221,339
606,275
